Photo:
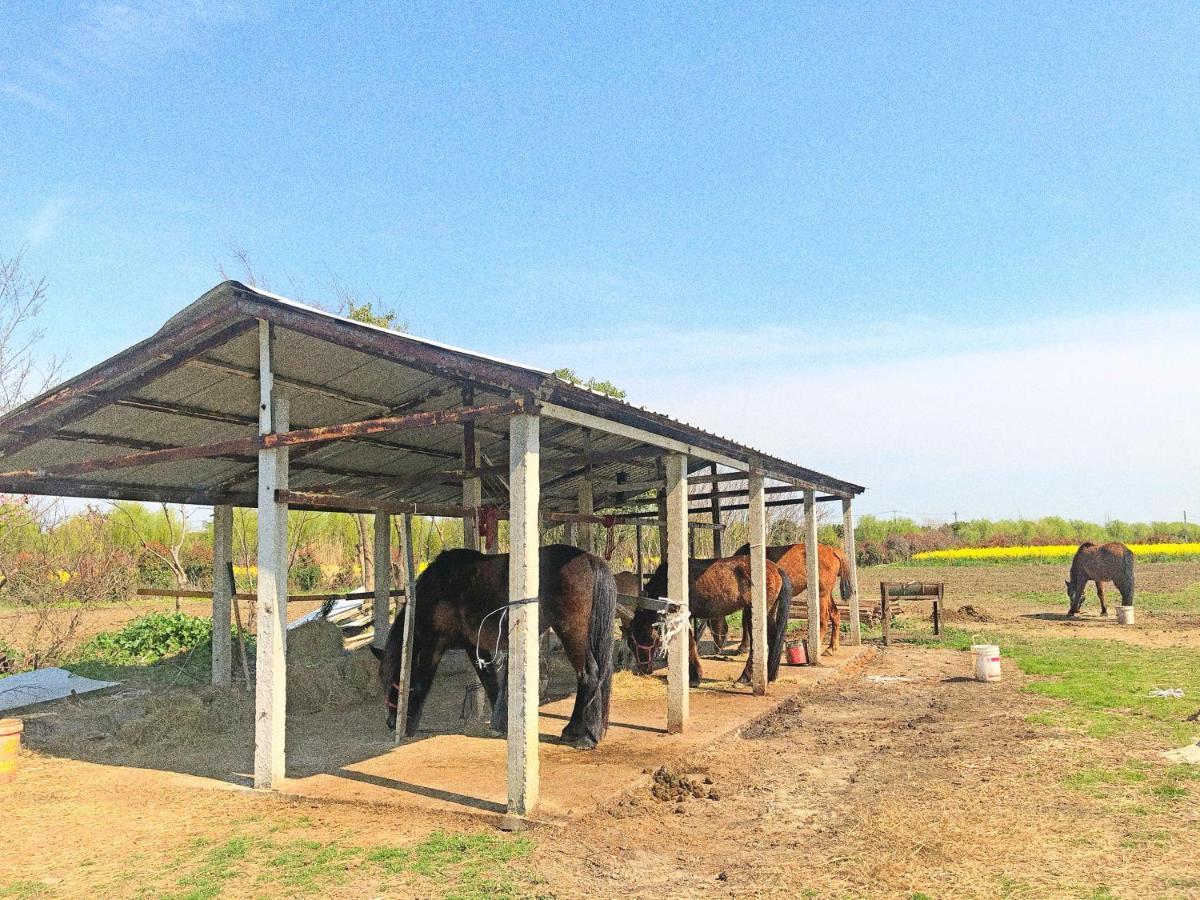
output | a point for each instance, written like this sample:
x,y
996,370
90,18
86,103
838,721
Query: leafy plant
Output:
x,y
147,639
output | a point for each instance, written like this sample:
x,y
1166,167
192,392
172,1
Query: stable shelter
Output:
x,y
248,399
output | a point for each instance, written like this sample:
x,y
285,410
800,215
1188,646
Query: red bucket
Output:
x,y
796,655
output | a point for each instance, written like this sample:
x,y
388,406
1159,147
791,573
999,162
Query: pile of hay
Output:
x,y
322,675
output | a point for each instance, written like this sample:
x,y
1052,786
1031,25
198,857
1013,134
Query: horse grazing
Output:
x,y
832,566
716,587
458,604
1100,563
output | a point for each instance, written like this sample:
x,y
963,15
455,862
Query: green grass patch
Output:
x,y
445,864
1105,685
20,890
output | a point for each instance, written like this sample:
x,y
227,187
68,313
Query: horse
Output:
x,y
1100,563
716,587
458,604
832,566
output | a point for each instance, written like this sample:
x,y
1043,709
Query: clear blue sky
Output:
x,y
790,201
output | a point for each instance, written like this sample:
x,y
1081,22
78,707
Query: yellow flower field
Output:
x,y
1050,553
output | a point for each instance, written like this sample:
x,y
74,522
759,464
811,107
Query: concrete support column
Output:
x,y
383,578
676,501
524,491
410,606
222,597
586,531
814,581
758,581
270,689
851,558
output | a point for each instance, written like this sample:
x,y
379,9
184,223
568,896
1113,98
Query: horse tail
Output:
x,y
843,573
1127,588
775,640
600,644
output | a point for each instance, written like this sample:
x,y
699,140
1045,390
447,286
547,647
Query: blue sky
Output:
x,y
804,226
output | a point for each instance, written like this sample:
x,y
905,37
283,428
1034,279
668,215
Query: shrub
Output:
x,y
306,572
147,639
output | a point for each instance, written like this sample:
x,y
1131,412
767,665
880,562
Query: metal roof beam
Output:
x,y
298,437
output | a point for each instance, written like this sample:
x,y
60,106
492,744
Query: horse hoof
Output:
x,y
694,682
580,743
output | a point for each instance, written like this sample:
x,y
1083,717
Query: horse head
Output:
x,y
1074,598
643,639
389,677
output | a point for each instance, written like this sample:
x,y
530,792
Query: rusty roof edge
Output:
x,y
125,363
205,314
588,401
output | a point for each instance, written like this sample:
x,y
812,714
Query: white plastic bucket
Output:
x,y
1125,615
987,662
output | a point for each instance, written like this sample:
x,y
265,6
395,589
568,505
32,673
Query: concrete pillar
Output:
x,y
852,558
586,531
383,578
410,605
270,690
676,501
814,583
758,581
524,490
222,597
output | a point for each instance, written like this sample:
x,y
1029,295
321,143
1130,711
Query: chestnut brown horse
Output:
x,y
832,566
459,602
1100,563
716,588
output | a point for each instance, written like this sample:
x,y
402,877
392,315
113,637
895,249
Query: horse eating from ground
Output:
x,y
1100,563
460,601
832,566
716,588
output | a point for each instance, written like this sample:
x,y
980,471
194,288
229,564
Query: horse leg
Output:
x,y
425,667
487,677
720,632
748,628
693,661
835,623
1100,594
744,645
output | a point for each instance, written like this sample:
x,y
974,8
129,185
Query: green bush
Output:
x,y
147,639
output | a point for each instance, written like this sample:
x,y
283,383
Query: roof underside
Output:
x,y
196,382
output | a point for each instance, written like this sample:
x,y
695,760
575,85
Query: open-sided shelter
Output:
x,y
248,399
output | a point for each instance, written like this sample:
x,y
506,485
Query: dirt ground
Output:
x,y
901,779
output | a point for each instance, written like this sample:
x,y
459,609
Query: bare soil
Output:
x,y
901,779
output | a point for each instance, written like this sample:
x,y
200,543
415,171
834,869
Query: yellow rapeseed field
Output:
x,y
1050,552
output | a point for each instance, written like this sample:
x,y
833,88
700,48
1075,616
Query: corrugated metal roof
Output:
x,y
194,382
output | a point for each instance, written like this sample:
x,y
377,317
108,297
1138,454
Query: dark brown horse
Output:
x,y
832,566
1100,563
716,588
459,599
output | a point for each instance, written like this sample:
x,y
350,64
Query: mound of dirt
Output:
x,y
968,613
671,787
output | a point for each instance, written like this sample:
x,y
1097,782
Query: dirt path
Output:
x,y
932,786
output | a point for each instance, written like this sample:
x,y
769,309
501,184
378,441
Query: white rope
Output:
x,y
672,624
503,610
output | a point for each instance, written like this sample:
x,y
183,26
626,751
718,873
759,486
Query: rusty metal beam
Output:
x,y
298,437
344,503
176,357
